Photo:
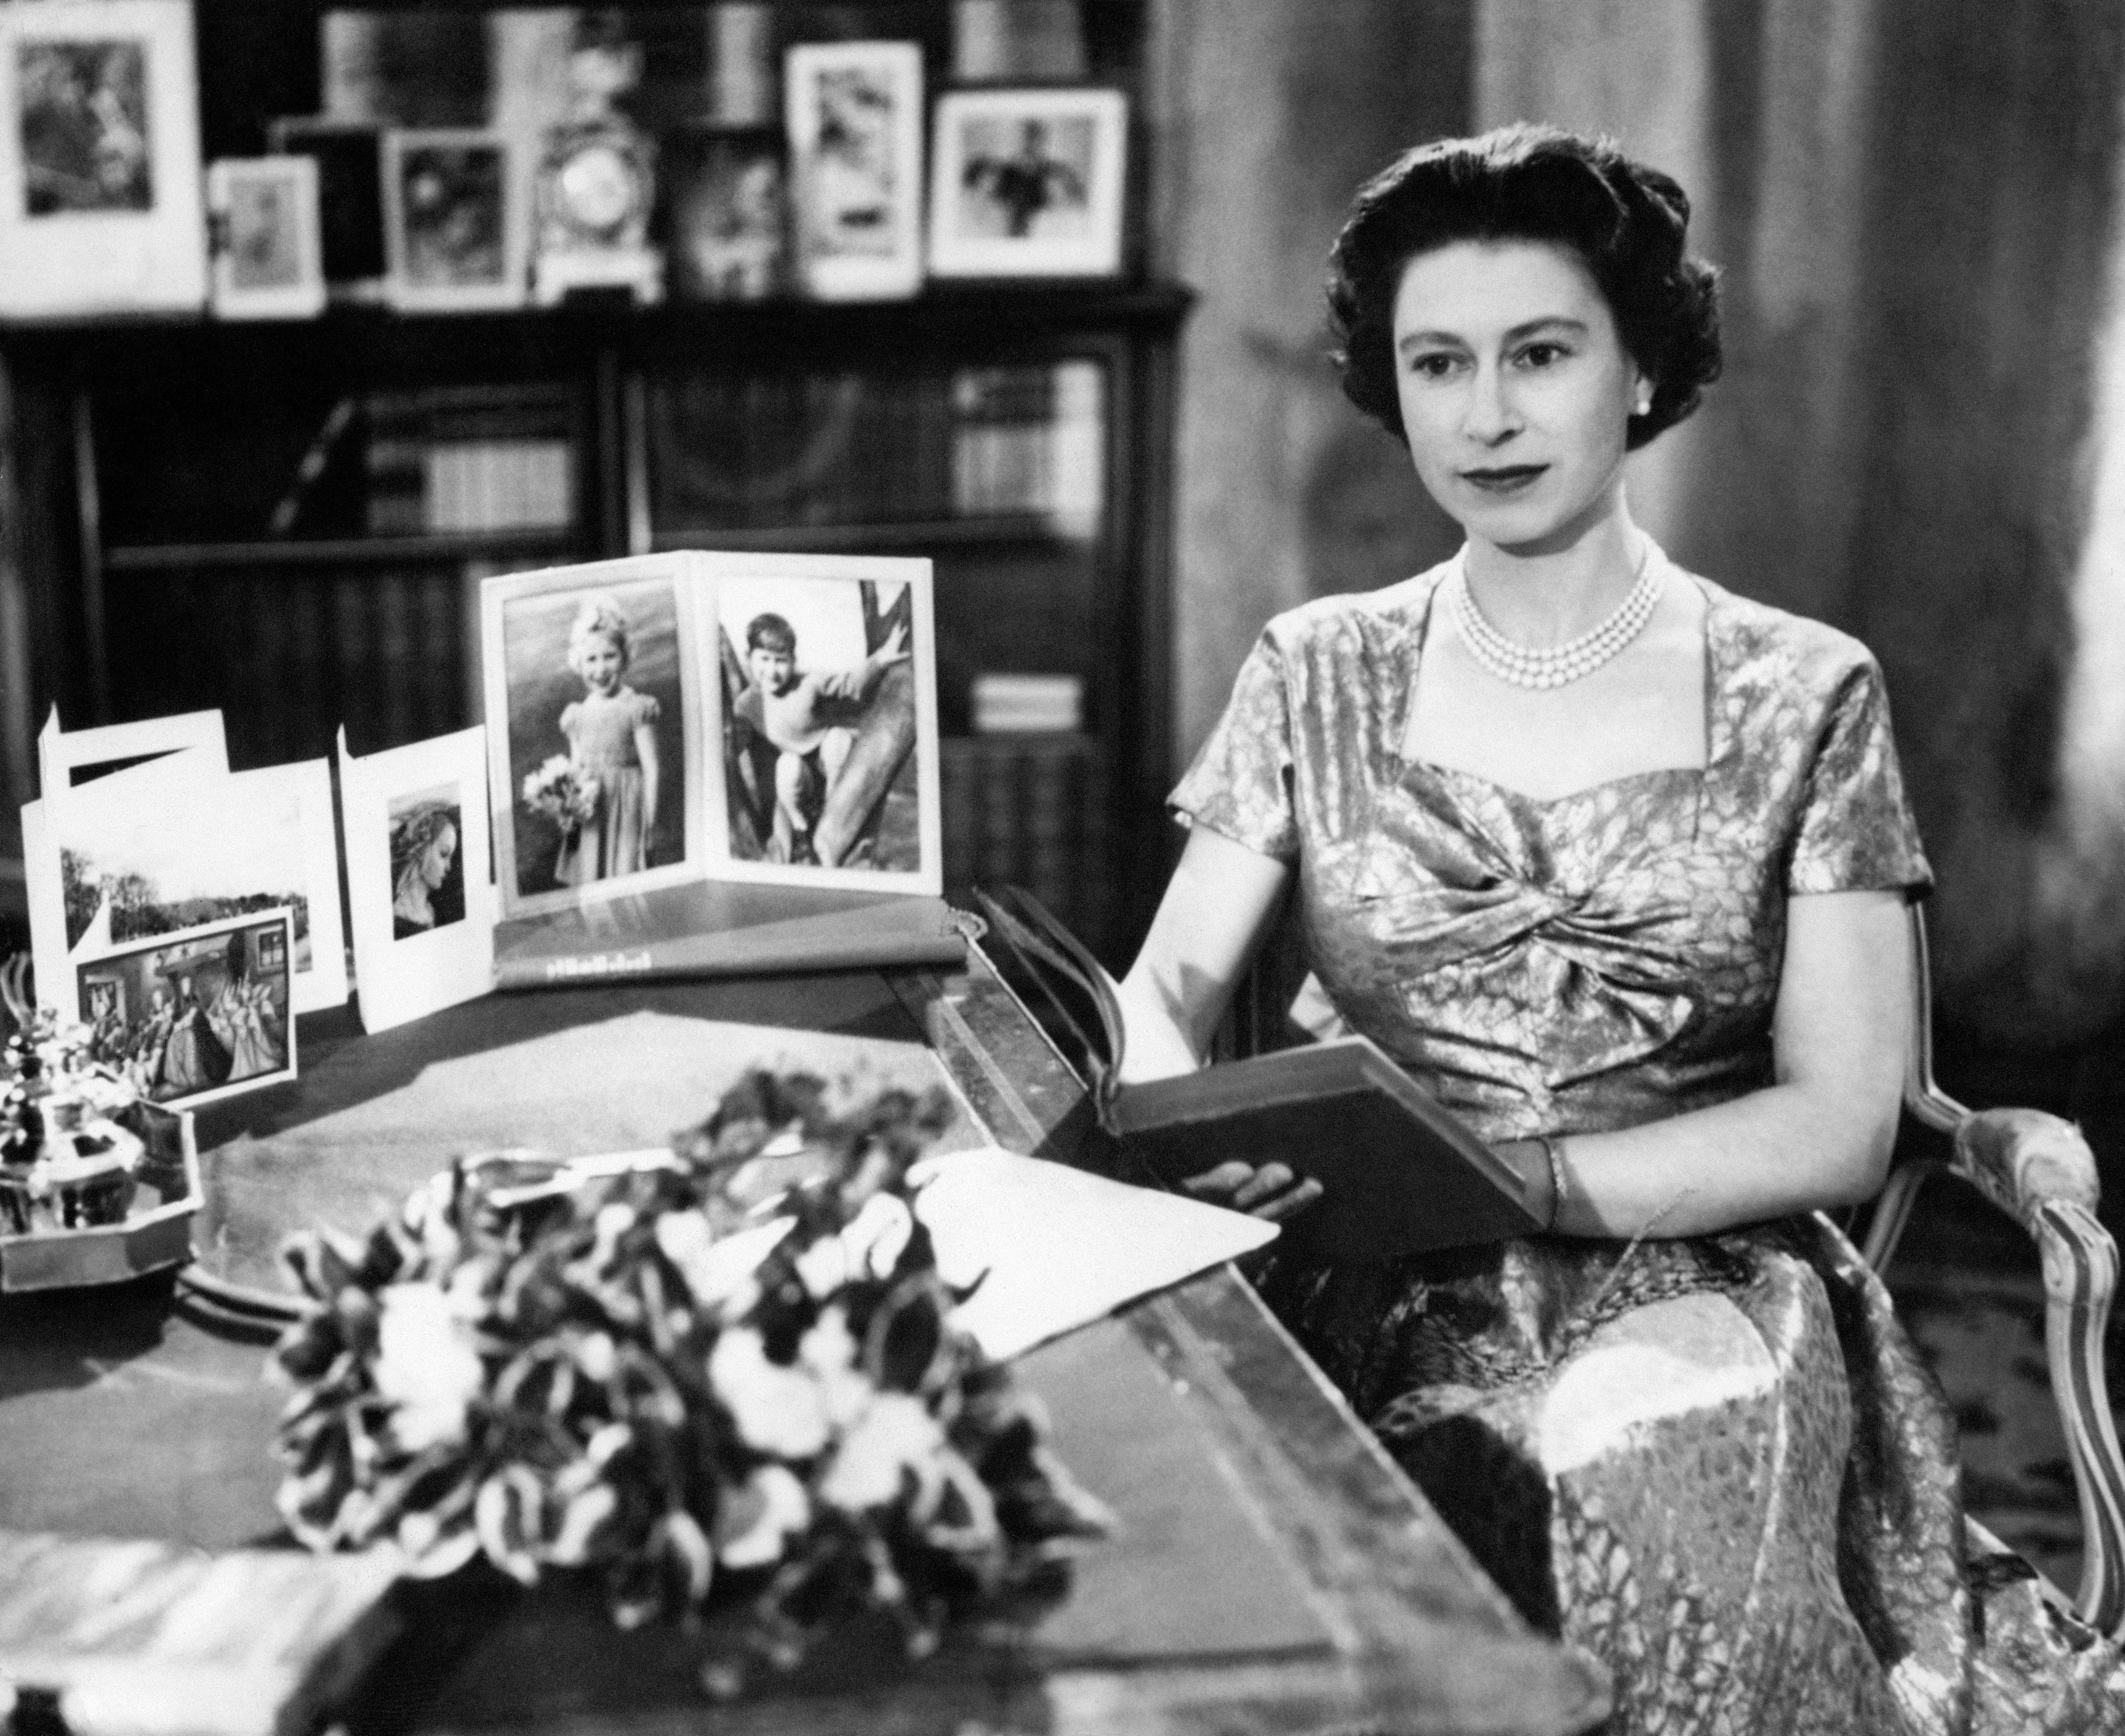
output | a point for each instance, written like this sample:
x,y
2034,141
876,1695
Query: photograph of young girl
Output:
x,y
596,736
820,726
427,875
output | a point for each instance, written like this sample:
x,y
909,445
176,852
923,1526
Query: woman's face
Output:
x,y
435,859
1515,389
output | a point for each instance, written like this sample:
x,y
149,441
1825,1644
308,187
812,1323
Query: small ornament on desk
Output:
x,y
726,1374
96,1186
597,180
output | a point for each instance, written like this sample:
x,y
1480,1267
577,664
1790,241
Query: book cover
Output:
x,y
1399,1173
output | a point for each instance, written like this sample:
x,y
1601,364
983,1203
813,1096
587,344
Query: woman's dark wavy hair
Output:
x,y
1530,183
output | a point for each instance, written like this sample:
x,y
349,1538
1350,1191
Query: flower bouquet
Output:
x,y
565,795
639,1378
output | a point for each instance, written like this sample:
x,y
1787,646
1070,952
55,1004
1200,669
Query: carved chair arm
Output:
x,y
2038,1169
2023,1160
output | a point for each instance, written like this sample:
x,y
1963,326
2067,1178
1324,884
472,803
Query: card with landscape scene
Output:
x,y
174,843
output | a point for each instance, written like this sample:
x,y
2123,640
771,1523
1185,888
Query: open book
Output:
x,y
1399,1174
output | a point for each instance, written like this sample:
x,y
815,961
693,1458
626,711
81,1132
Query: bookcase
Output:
x,y
290,520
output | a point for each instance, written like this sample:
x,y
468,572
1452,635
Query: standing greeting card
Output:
x,y
175,844
417,876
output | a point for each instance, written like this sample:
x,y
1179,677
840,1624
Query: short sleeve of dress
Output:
x,y
642,706
1856,831
569,714
1240,785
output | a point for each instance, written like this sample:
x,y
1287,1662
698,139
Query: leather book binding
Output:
x,y
1399,1172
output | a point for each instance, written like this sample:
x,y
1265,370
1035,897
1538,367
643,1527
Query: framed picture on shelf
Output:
x,y
594,748
349,157
828,721
99,196
454,226
1028,183
727,196
854,112
264,223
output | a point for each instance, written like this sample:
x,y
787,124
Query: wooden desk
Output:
x,y
1274,1570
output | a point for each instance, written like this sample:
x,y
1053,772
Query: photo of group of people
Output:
x,y
194,1015
692,715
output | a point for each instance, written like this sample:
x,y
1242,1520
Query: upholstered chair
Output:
x,y
2034,1167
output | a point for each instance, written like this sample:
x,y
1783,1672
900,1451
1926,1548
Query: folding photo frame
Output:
x,y
806,689
854,112
1028,183
100,196
419,882
263,219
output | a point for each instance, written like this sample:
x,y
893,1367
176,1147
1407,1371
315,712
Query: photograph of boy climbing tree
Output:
x,y
829,721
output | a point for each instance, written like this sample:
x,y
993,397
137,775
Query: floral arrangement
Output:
x,y
566,796
641,1380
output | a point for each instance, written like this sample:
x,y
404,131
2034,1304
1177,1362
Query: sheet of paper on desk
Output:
x,y
1060,1248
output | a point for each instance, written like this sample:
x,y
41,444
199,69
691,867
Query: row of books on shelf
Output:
x,y
1031,812
756,451
745,451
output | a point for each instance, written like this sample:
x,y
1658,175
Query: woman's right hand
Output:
x,y
1273,1191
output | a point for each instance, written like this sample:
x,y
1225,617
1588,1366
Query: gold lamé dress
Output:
x,y
1716,1463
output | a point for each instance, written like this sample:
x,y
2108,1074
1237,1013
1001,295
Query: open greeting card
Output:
x,y
706,763
171,840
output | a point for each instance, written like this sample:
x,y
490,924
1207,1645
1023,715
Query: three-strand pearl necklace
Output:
x,y
1552,666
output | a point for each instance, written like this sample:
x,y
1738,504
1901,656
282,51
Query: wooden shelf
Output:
x,y
313,552
916,535
951,313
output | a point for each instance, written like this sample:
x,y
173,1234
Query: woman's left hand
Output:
x,y
1274,1191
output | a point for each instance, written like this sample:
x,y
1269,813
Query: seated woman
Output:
x,y
1615,863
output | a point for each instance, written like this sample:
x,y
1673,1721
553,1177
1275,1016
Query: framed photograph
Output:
x,y
349,157
454,224
828,721
175,843
726,198
196,1014
263,213
419,883
594,737
1028,183
68,757
854,112
99,198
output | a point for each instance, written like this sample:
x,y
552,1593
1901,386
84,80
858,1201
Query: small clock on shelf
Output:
x,y
597,180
